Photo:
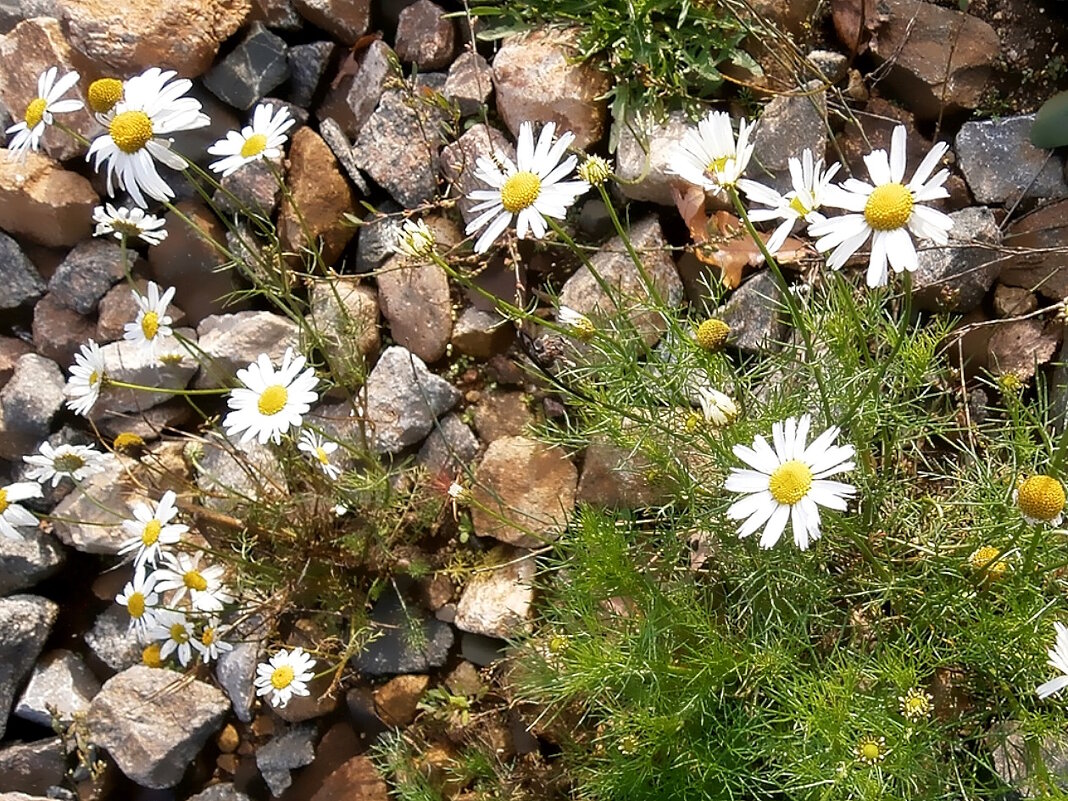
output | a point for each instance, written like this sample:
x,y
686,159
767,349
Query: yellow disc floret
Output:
x,y
150,324
150,656
595,170
986,557
126,441
35,112
282,677
870,749
179,633
103,94
272,400
717,165
916,704
712,334
3,501
790,482
799,206
520,191
253,146
888,207
150,533
1040,497
207,636
135,604
130,131
195,581
68,463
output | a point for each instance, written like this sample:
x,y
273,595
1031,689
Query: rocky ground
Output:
x,y
446,384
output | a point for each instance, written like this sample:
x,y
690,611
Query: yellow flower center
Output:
x,y
253,146
35,111
135,604
916,704
716,166
130,229
282,677
150,656
127,441
179,633
520,191
790,482
984,558
68,463
207,636
150,324
321,454
712,334
150,533
103,94
798,205
3,500
130,131
94,377
870,752
272,400
194,581
888,207
1041,497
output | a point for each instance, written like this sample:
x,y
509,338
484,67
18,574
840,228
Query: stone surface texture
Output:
x,y
469,82
256,66
44,203
346,20
956,278
21,281
229,342
643,159
425,36
25,561
496,602
1000,164
1042,237
460,158
60,680
25,621
29,401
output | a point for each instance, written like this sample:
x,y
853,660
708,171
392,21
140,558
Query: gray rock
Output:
x,y
236,668
25,622
91,521
403,399
451,447
346,20
228,342
458,162
1000,163
425,36
257,65
18,276
756,315
229,471
112,642
831,63
285,752
252,190
60,680
481,334
1028,767
29,401
378,237
411,641
307,65
59,332
173,367
153,722
87,273
340,146
220,792
497,602
378,66
33,767
480,649
956,278
469,82
788,125
345,317
643,159
26,561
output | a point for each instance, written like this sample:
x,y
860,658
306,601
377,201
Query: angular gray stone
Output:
x,y
91,521
403,399
451,447
481,334
18,276
378,237
25,622
286,752
112,642
345,317
378,66
469,82
756,315
340,146
788,125
999,162
236,669
252,190
28,560
258,64
957,277
1029,768
153,722
411,641
347,20
60,680
32,767
229,471
425,36
173,367
29,401
220,792
643,159
459,159
307,65
87,273
497,602
228,342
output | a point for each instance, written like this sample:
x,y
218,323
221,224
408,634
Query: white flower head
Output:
x,y
139,596
76,462
124,223
789,482
530,189
183,574
581,325
319,449
38,115
810,182
152,106
209,643
709,157
14,516
1058,659
152,322
175,630
717,408
263,139
886,210
86,379
286,674
151,530
271,402
415,240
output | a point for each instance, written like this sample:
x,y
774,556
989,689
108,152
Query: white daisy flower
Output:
x,y
86,379
1058,658
12,515
128,224
531,188
581,325
887,211
1041,499
717,408
75,462
286,674
810,182
415,240
320,450
175,631
208,643
140,599
789,482
182,573
151,529
271,402
38,116
153,322
263,139
151,107
708,155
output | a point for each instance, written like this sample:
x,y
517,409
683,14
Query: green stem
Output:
x,y
111,382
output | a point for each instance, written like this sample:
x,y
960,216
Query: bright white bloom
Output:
x,y
263,139
718,409
320,450
152,107
789,482
415,240
140,599
12,515
810,182
152,321
175,630
581,325
75,462
271,402
183,573
886,210
1058,658
129,223
285,675
708,156
86,379
208,643
530,189
38,116
151,529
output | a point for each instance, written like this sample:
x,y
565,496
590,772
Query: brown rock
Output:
x,y
58,332
1044,233
228,739
540,77
346,20
345,316
1021,346
524,492
396,701
470,82
43,202
321,193
29,49
10,351
1011,301
458,161
351,99
355,780
854,20
464,680
481,334
616,477
793,15
425,36
105,33
502,414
